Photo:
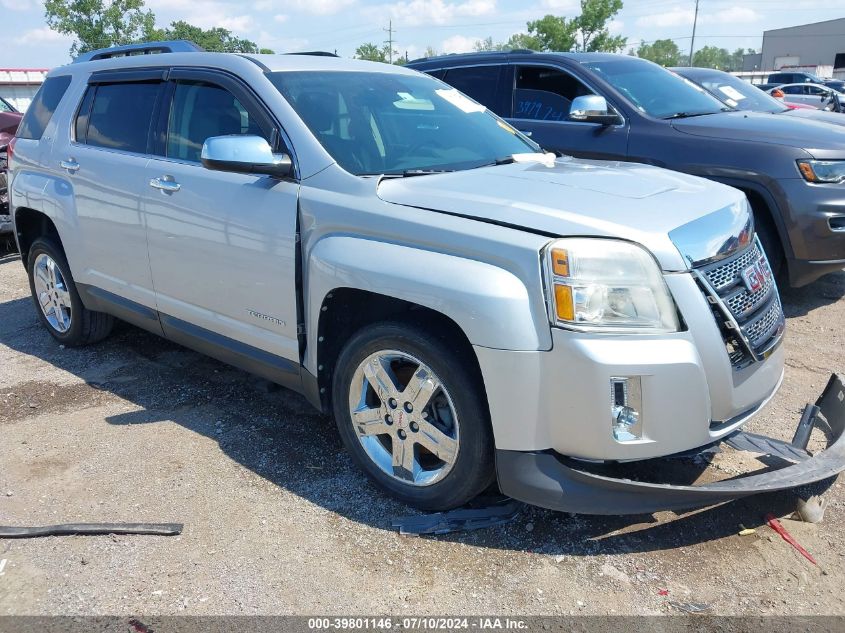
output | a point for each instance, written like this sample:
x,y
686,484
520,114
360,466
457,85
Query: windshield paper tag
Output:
x,y
460,101
733,93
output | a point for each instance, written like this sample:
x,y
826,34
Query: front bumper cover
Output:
x,y
551,481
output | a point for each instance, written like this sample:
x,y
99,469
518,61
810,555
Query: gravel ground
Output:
x,y
278,521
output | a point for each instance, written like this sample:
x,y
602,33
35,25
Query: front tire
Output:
x,y
413,416
57,301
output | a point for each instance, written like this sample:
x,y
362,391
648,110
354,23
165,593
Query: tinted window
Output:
x,y
545,93
655,90
479,82
5,106
384,123
200,111
43,106
83,114
793,90
121,116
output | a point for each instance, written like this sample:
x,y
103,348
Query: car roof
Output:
x,y
231,61
487,56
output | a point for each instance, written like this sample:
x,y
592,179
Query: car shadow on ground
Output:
x,y
277,435
825,291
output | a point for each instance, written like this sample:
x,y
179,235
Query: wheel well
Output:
x,y
346,310
30,225
762,213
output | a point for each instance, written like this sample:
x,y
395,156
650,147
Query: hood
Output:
x,y
812,114
763,127
572,197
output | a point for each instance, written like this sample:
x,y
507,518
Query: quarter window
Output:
x,y
201,110
121,116
545,94
43,106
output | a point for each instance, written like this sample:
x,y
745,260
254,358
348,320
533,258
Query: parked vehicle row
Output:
x,y
597,105
470,307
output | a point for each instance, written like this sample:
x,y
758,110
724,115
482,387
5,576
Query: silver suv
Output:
x,y
466,305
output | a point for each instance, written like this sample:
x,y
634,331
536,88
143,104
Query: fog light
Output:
x,y
625,407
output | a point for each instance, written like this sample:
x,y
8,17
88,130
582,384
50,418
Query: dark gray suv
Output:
x,y
597,105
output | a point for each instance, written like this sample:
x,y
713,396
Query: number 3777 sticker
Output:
x,y
756,275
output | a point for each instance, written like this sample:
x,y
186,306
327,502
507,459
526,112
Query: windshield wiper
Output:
x,y
685,115
423,172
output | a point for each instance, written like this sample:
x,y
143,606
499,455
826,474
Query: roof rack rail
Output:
x,y
315,53
144,48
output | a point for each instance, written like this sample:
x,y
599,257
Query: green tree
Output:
x,y
588,31
216,40
712,57
100,23
372,52
592,26
522,41
553,33
103,23
663,52
737,57
430,51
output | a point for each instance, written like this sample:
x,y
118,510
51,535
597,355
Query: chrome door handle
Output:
x,y
70,164
165,184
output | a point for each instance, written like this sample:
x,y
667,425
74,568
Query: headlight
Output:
x,y
822,170
607,285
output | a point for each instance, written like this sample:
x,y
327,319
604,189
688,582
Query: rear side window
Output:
x,y
479,82
120,116
43,106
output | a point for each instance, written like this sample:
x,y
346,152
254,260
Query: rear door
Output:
x,y
541,98
105,160
222,245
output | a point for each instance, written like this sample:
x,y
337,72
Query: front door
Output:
x,y
222,245
542,97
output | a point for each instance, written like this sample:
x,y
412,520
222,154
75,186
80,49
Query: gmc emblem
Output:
x,y
756,275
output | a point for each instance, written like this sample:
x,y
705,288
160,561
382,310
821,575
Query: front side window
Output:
x,y
121,115
385,123
545,94
43,106
201,110
656,91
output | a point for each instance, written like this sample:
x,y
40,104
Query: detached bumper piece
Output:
x,y
551,481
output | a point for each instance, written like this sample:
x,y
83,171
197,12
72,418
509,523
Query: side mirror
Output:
x,y
244,154
592,109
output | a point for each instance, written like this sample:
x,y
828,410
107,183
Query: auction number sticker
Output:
x,y
412,623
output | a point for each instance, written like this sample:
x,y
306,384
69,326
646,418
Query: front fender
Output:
x,y
491,305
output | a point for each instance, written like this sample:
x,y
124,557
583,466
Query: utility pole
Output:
x,y
692,42
389,41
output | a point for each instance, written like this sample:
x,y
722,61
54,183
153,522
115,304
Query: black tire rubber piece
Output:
x,y
86,326
473,470
770,241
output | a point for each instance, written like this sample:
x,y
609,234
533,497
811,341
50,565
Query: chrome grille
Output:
x,y
751,321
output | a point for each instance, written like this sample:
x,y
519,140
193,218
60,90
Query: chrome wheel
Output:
x,y
404,418
51,293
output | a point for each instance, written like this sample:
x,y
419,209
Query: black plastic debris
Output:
x,y
73,529
481,513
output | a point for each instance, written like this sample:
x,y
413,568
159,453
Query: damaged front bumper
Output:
x,y
552,481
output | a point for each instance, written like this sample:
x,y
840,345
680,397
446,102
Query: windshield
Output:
x,y
656,91
735,92
385,123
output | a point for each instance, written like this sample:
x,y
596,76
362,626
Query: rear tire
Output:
x,y
57,300
413,416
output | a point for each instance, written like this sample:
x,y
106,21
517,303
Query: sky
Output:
x,y
445,25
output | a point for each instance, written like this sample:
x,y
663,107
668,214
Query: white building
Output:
x,y
817,45
19,85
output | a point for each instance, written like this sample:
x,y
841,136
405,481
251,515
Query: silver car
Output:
x,y
813,95
467,306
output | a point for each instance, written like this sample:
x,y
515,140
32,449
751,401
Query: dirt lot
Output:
x,y
278,521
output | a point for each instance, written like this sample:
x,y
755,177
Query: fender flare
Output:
x,y
490,304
